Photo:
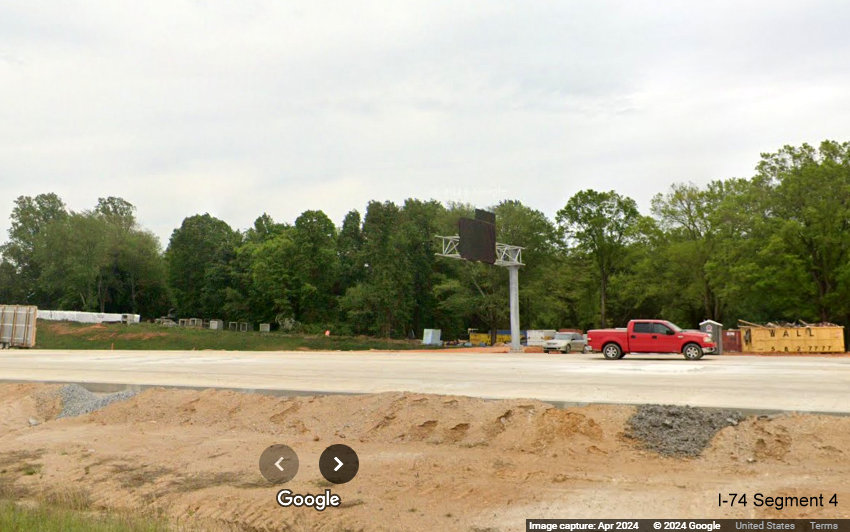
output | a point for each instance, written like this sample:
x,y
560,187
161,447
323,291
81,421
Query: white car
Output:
x,y
565,342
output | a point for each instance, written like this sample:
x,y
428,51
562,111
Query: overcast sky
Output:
x,y
239,108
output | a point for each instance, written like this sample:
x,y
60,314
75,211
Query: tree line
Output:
x,y
770,247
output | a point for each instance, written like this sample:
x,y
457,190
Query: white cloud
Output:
x,y
242,108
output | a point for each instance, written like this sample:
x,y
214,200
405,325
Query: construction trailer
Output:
x,y
17,325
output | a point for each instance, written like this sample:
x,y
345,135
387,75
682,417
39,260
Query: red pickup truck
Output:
x,y
650,336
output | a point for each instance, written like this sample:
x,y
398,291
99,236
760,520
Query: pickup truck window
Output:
x,y
661,329
642,327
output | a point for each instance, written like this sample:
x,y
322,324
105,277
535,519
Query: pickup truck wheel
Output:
x,y
546,351
612,351
692,352
567,349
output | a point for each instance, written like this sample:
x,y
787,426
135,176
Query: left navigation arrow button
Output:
x,y
279,464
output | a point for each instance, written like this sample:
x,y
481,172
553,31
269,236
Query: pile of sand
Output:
x,y
426,461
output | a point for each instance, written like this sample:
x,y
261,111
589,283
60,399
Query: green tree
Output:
x,y
8,283
29,217
382,302
72,254
316,266
117,212
811,209
198,259
419,224
275,289
687,214
600,224
140,267
98,261
264,229
350,251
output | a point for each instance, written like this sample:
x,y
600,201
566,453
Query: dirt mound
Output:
x,y
427,462
23,405
786,438
678,430
380,418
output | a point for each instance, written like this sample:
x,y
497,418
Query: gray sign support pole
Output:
x,y
507,256
513,274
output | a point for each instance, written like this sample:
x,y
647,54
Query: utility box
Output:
x,y
432,337
217,325
17,325
715,330
265,327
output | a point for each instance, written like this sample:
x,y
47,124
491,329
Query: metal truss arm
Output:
x,y
506,255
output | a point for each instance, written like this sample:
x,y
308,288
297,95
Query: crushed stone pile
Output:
x,y
678,430
77,401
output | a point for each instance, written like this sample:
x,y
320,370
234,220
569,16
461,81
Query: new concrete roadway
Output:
x,y
814,384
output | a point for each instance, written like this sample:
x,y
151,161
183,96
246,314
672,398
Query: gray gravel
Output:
x,y
678,430
77,401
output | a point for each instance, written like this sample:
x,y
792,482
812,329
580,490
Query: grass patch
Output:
x,y
66,335
9,490
30,469
47,518
69,499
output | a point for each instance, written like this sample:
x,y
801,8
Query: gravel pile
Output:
x,y
678,430
77,401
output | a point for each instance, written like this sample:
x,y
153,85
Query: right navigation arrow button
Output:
x,y
339,464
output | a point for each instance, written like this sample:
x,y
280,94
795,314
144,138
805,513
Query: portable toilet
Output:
x,y
715,330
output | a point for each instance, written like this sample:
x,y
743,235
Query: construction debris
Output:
x,y
678,430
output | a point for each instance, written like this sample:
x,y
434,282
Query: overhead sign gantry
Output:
x,y
476,242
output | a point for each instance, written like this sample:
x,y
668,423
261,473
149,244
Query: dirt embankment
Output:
x,y
426,461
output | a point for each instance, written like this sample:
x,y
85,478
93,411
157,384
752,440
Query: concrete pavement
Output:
x,y
819,384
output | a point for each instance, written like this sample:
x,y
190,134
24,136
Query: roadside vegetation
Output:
x,y
64,335
16,517
773,246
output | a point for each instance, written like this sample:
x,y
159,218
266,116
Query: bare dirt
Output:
x,y
427,462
